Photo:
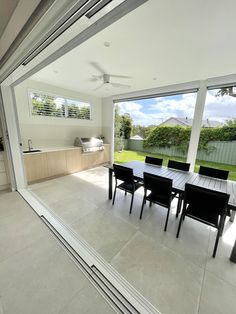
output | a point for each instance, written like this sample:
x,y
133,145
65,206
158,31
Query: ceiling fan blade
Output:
x,y
95,78
97,67
120,76
120,85
98,86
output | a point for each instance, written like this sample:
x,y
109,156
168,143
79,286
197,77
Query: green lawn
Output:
x,y
128,155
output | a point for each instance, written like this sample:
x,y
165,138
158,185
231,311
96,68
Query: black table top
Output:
x,y
181,177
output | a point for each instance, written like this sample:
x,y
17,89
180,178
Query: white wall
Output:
x,y
108,122
53,131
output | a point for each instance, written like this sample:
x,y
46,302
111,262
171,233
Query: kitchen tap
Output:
x,y
30,144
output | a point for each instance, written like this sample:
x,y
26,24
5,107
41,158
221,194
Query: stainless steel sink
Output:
x,y
32,151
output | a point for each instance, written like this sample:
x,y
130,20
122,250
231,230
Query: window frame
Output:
x,y
66,98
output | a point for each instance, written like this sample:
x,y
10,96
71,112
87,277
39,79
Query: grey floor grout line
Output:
x,y
124,246
203,277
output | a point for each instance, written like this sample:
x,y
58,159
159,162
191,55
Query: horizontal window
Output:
x,y
52,106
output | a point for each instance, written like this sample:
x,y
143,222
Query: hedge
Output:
x,y
167,136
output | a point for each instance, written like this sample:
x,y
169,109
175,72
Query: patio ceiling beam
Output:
x,y
197,125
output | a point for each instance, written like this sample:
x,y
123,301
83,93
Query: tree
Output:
x,y
231,122
45,105
78,112
126,125
118,135
142,131
84,112
226,91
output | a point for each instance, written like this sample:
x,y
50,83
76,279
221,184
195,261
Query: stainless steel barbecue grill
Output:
x,y
91,144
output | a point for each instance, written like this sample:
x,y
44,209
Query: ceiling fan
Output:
x,y
106,79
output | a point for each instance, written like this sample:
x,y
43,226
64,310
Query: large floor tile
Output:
x,y
20,229
36,274
104,232
121,208
39,279
153,226
73,208
218,297
44,272
87,301
55,191
221,265
192,243
167,280
11,204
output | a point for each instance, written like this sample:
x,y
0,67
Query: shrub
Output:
x,y
167,136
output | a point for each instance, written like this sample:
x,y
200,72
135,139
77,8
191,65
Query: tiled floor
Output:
x,y
175,275
36,274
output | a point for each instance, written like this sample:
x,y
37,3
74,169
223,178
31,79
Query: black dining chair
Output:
x,y
206,206
160,192
183,166
213,172
178,165
129,185
154,161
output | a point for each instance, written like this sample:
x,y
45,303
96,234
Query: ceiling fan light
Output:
x,y
107,86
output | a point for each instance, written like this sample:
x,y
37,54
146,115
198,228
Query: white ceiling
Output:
x,y
7,7
160,43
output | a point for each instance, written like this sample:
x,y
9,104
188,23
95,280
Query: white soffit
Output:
x,y
160,43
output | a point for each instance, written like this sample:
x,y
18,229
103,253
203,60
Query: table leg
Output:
x,y
232,215
233,253
110,184
179,205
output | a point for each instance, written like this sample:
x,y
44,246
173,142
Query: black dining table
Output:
x,y
179,179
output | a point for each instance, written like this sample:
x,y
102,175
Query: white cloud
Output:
x,y
170,107
217,108
138,116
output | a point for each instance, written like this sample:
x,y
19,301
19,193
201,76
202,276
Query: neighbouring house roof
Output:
x,y
136,137
207,123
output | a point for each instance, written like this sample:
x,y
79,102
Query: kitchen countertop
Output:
x,y
55,149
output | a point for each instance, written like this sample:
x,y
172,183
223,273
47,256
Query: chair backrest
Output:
x,y
153,160
158,185
204,204
123,173
178,165
214,173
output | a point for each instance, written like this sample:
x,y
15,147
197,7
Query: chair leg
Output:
x,y
114,196
180,222
150,204
179,206
125,193
141,213
167,217
216,243
131,205
222,226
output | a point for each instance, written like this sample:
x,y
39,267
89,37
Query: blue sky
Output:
x,y
156,110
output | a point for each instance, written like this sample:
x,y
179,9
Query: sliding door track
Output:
x,y
118,292
102,284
